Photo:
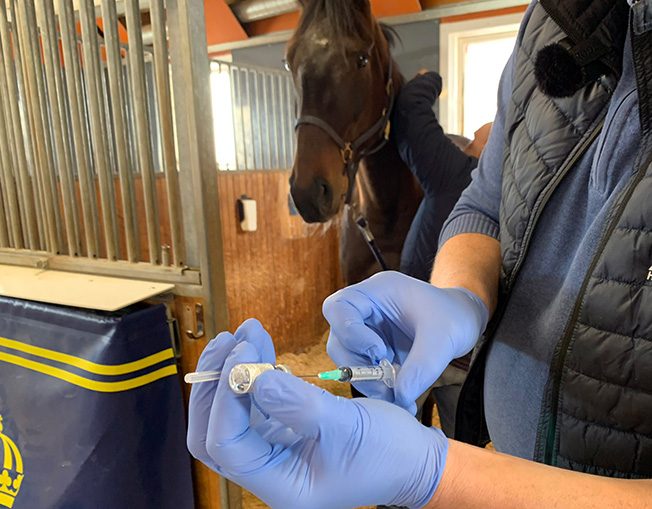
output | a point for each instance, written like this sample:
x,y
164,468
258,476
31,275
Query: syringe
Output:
x,y
384,372
242,376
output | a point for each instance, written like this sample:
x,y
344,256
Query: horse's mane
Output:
x,y
342,18
339,16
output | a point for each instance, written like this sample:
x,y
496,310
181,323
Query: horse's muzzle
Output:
x,y
314,203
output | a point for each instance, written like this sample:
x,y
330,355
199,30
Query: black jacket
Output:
x,y
442,169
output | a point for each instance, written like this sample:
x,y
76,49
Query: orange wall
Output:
x,y
287,21
382,8
221,24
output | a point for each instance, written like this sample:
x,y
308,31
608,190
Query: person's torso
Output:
x,y
551,271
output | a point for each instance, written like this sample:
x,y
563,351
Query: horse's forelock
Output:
x,y
342,18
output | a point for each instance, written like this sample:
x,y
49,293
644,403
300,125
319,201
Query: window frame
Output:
x,y
454,37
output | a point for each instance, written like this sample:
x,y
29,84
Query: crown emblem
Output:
x,y
11,475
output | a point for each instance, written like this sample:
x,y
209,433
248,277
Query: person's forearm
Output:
x,y
477,478
471,261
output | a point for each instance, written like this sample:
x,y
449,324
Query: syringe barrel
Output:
x,y
384,372
365,373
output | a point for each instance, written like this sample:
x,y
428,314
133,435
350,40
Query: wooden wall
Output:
x,y
281,273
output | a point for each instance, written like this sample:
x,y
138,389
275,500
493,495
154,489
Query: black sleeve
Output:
x,y
435,160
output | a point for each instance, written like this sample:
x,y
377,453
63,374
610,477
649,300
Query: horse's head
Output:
x,y
341,65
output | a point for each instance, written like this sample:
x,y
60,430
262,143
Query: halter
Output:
x,y
351,151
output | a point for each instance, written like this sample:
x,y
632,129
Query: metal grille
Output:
x,y
259,118
86,123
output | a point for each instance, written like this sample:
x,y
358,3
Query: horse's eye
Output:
x,y
286,64
363,60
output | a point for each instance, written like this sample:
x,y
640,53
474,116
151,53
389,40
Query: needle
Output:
x,y
214,376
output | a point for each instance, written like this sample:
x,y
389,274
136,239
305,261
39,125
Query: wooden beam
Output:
x,y
486,14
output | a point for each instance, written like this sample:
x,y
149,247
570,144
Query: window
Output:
x,y
253,117
223,117
473,56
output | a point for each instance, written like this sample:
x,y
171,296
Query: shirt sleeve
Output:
x,y
437,163
477,210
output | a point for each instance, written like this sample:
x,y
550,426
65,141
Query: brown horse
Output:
x,y
346,82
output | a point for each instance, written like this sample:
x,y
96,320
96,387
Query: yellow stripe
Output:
x,y
8,461
16,454
86,383
91,367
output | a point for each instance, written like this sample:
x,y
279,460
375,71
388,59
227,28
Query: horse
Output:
x,y
346,82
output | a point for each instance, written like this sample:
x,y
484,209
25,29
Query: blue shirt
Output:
x,y
561,250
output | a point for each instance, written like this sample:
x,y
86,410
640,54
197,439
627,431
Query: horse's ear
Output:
x,y
362,5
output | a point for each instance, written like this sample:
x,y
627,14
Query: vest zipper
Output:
x,y
545,196
550,456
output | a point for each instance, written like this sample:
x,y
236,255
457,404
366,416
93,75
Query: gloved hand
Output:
x,y
416,325
297,446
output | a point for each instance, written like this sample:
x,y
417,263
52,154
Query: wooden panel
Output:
x,y
75,290
485,14
282,273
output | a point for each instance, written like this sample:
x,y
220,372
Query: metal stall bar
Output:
x,y
258,137
50,182
34,178
92,70
10,99
162,69
139,94
282,98
80,135
49,38
198,179
66,129
236,118
291,108
10,232
114,64
4,234
250,117
274,103
38,121
245,115
5,185
31,181
268,125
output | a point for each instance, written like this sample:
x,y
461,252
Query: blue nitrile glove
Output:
x,y
297,446
416,325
